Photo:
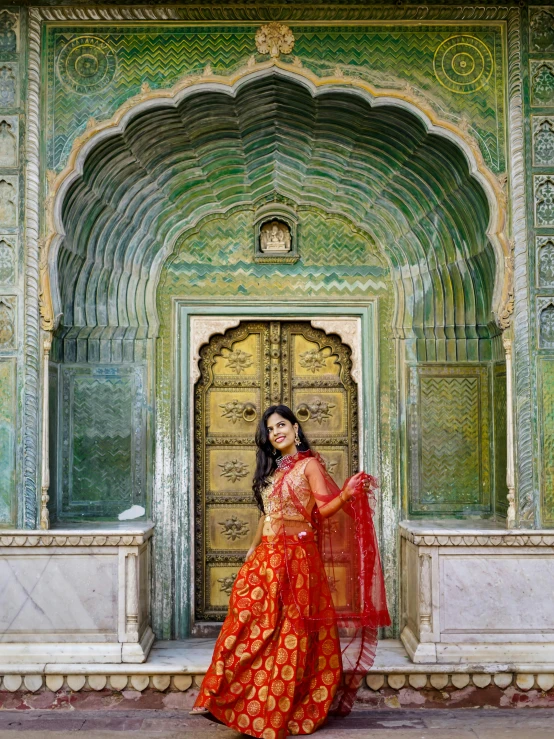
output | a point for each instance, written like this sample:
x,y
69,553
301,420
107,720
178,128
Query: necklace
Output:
x,y
285,461
288,461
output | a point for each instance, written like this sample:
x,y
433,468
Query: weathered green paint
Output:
x,y
102,442
539,99
500,457
546,406
385,210
18,446
449,436
7,440
410,191
385,213
161,54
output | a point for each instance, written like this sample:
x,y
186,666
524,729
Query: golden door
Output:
x,y
251,367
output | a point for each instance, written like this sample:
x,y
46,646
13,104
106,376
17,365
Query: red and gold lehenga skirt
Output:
x,y
269,677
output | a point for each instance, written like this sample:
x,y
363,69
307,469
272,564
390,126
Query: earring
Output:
x,y
297,439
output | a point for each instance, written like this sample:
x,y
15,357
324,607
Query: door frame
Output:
x,y
186,315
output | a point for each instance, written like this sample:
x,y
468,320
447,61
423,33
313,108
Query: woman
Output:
x,y
278,667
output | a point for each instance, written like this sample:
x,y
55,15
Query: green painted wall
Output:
x,y
539,62
7,440
99,455
393,56
113,385
13,494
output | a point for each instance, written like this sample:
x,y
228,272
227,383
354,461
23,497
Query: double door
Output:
x,y
253,366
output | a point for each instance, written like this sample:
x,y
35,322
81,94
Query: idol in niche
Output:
x,y
305,607
275,237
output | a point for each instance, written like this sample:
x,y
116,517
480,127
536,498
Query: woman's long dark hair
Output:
x,y
266,460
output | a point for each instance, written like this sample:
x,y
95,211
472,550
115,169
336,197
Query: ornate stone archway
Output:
x,y
422,196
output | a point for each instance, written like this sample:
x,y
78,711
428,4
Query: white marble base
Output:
x,y
76,652
477,595
75,595
138,652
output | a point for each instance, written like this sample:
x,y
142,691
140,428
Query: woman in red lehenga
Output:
x,y
279,667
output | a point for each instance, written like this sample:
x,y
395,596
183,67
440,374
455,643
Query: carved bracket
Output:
x,y
350,332
201,331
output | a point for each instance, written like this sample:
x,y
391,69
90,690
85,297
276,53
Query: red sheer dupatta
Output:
x,y
347,545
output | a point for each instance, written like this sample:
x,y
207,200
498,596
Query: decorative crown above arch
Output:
x,y
417,185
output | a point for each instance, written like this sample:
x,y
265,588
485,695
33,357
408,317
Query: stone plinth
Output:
x,y
75,595
477,595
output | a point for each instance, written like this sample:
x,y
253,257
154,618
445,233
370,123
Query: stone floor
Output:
x,y
194,656
361,724
170,678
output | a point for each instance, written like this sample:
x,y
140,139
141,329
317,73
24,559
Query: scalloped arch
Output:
x,y
135,184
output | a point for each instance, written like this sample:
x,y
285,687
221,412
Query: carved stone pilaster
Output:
x,y
527,507
131,598
425,596
510,479
32,318
45,484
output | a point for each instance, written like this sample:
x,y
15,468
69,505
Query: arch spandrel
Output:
x,y
429,201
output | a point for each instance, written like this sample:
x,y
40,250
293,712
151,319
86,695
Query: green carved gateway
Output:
x,y
406,156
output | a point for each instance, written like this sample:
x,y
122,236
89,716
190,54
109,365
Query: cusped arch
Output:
x,y
416,185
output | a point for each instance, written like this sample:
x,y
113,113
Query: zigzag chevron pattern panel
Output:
x,y
103,453
546,375
500,440
7,439
121,60
449,439
336,260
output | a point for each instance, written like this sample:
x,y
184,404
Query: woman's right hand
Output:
x,y
249,554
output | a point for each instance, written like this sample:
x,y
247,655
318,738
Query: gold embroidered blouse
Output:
x,y
283,506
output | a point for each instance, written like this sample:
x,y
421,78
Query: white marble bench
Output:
x,y
472,593
75,595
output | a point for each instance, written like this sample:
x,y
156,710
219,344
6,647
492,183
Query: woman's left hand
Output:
x,y
351,488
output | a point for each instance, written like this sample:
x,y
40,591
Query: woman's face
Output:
x,y
281,433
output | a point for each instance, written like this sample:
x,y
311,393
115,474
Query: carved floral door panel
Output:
x,y
242,373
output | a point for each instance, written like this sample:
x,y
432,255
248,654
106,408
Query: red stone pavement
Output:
x,y
64,722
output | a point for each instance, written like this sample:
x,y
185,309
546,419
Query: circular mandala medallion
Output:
x,y
86,64
463,64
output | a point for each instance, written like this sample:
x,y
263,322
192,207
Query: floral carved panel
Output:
x,y
541,30
9,32
543,141
546,323
544,200
545,261
8,254
7,324
542,82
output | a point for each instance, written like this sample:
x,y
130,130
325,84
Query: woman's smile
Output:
x,y
282,434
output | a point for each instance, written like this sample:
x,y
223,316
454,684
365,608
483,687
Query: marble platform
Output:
x,y
75,595
192,657
171,675
476,594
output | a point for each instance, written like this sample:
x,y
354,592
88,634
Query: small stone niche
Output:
x,y
276,235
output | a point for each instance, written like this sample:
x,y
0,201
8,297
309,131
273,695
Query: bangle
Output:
x,y
340,496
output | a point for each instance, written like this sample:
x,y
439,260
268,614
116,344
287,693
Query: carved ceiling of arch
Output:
x,y
409,189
